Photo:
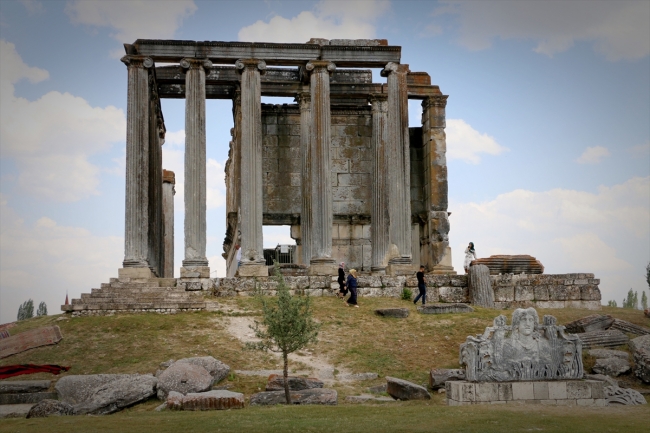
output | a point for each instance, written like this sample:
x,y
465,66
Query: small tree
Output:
x,y
647,274
644,301
26,310
611,304
287,325
42,309
632,300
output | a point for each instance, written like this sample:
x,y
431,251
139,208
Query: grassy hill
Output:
x,y
351,339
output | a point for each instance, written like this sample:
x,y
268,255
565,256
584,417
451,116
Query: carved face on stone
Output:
x,y
525,321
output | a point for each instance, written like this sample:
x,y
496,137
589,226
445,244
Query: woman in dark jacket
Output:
x,y
342,290
352,287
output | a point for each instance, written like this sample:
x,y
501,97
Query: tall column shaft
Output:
x,y
195,163
304,101
321,182
379,212
251,161
399,194
169,181
136,223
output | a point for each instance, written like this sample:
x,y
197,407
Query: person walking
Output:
x,y
422,287
343,291
352,288
470,256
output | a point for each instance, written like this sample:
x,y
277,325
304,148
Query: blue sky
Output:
x,y
548,127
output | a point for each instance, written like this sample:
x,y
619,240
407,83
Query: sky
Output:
x,y
548,128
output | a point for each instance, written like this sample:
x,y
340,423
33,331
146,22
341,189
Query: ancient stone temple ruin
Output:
x,y
340,166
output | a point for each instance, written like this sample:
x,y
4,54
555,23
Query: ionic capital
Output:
x,y
314,65
193,63
137,61
379,102
258,64
303,99
394,67
437,101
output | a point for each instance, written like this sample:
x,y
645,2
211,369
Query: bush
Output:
x,y
407,294
42,309
26,310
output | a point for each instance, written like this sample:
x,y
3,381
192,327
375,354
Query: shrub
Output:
x,y
407,294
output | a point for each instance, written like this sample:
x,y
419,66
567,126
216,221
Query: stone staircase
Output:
x,y
155,295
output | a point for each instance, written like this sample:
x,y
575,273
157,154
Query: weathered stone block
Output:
x,y
523,391
453,294
505,391
550,304
400,313
50,407
524,293
540,390
401,389
558,293
578,390
573,293
23,386
504,294
438,377
276,383
306,396
540,293
487,391
195,272
597,389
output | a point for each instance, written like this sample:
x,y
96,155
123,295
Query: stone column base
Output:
x,y
253,270
378,270
322,268
195,272
395,269
135,273
443,270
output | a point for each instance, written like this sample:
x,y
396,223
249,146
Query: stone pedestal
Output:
x,y
444,267
395,269
135,273
253,270
195,272
322,268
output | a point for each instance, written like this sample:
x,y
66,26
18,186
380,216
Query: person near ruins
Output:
x,y
421,287
470,255
352,288
238,255
343,291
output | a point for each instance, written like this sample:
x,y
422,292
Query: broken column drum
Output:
x,y
340,166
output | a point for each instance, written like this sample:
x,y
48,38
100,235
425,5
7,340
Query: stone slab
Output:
x,y
253,270
21,386
15,410
29,340
443,308
438,376
28,397
401,389
195,272
400,313
137,273
210,400
318,269
307,396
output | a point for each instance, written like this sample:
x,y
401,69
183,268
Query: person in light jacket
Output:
x,y
470,256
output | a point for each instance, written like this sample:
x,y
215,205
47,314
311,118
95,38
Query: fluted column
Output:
x,y
379,215
321,178
136,221
304,101
195,167
398,176
251,167
168,192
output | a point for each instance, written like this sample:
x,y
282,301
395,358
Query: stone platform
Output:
x,y
555,393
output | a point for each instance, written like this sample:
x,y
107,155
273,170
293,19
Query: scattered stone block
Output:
x,y
276,383
210,400
116,395
400,313
15,410
607,353
24,386
76,389
217,369
445,308
50,407
183,377
595,322
623,396
611,366
357,376
378,389
640,347
625,326
404,390
29,340
609,338
26,397
438,376
306,396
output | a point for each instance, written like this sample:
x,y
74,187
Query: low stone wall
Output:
x,y
510,291
560,393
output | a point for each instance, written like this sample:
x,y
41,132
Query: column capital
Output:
x,y
303,99
438,101
258,64
378,101
395,67
193,63
320,64
137,61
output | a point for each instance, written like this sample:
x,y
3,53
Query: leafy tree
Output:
x,y
42,309
644,301
632,300
26,310
287,325
611,304
647,274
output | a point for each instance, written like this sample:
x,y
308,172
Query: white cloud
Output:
x,y
330,19
135,19
466,143
618,29
52,137
642,150
606,233
43,260
33,7
593,155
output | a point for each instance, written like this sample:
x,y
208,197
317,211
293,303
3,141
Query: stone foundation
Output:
x,y
555,393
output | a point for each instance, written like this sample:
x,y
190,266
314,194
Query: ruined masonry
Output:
x,y
340,166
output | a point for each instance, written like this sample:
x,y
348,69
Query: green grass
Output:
x,y
355,339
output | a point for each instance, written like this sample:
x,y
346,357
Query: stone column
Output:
x,y
321,262
434,139
169,182
252,257
399,194
195,263
136,222
304,101
379,215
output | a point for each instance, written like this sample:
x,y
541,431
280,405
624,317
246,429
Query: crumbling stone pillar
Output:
x,y
433,130
321,262
379,215
169,182
195,263
136,222
304,101
398,153
252,258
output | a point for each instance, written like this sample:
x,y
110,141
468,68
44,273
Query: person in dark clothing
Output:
x,y
421,287
352,287
343,291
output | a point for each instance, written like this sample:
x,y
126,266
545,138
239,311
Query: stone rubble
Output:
x,y
306,396
438,376
117,395
50,407
276,383
401,389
